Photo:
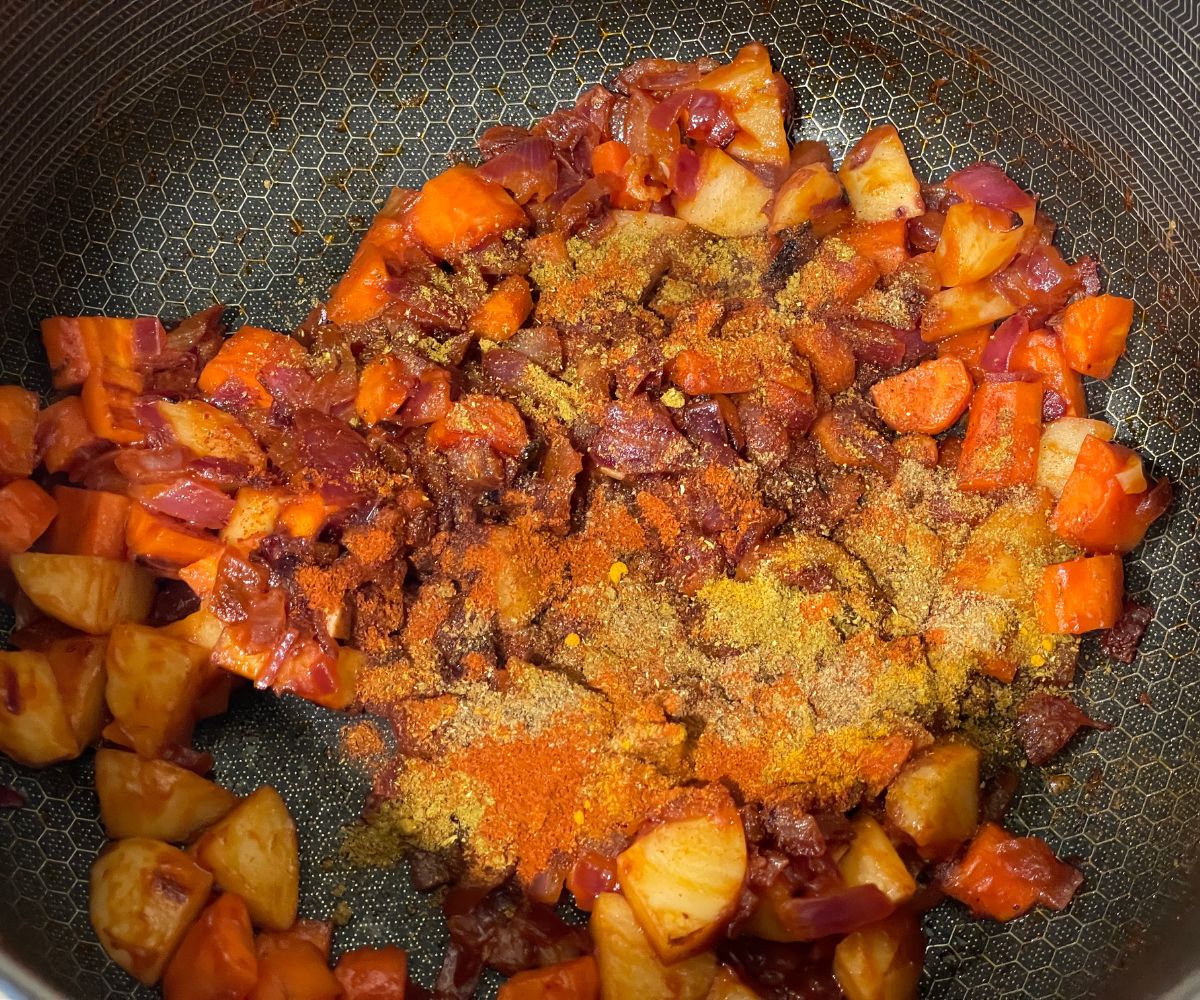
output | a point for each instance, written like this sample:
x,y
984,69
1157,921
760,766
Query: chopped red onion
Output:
x,y
703,114
997,355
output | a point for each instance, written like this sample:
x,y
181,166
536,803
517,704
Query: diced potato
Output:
x,y
86,592
754,95
934,800
201,628
208,432
1061,441
629,967
871,859
144,896
765,922
683,879
253,852
966,307
812,186
152,798
78,665
882,961
1005,554
153,681
729,198
879,179
727,986
34,726
977,241
255,513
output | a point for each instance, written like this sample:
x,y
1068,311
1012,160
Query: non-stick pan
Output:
x,y
158,156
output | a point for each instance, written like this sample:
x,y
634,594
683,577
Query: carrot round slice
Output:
x,y
926,399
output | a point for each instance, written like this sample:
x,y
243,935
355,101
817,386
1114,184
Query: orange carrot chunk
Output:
x,y
1081,595
885,244
26,511
1003,876
926,399
1096,512
216,959
65,438
290,968
1003,430
458,210
504,311
243,356
18,428
482,417
372,973
1041,352
577,979
610,158
1094,331
968,346
362,294
164,541
382,389
89,523
109,397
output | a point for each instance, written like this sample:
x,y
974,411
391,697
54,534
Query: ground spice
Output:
x,y
546,690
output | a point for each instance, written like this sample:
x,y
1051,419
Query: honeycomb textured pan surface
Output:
x,y
159,156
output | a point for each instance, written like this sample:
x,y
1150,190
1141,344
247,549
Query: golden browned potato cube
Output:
x,y
201,628
153,680
871,859
253,852
145,894
881,961
89,593
35,728
683,879
727,986
729,199
629,967
879,178
934,800
152,798
78,665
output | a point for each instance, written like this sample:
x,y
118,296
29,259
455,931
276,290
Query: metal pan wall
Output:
x,y
157,156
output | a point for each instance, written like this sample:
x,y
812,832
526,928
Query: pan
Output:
x,y
159,156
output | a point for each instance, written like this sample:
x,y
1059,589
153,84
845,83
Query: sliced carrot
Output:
x,y
968,346
318,933
831,358
458,209
1081,595
26,511
291,969
372,973
926,399
243,356
89,523
577,979
483,417
216,959
382,389
504,311
1004,426
885,244
363,293
919,448
109,397
1095,512
201,575
18,430
65,437
610,158
305,515
1040,351
164,541
1003,876
698,373
1094,331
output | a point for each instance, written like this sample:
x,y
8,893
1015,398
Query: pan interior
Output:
x,y
158,160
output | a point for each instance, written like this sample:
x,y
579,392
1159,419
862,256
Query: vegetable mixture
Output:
x,y
711,527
